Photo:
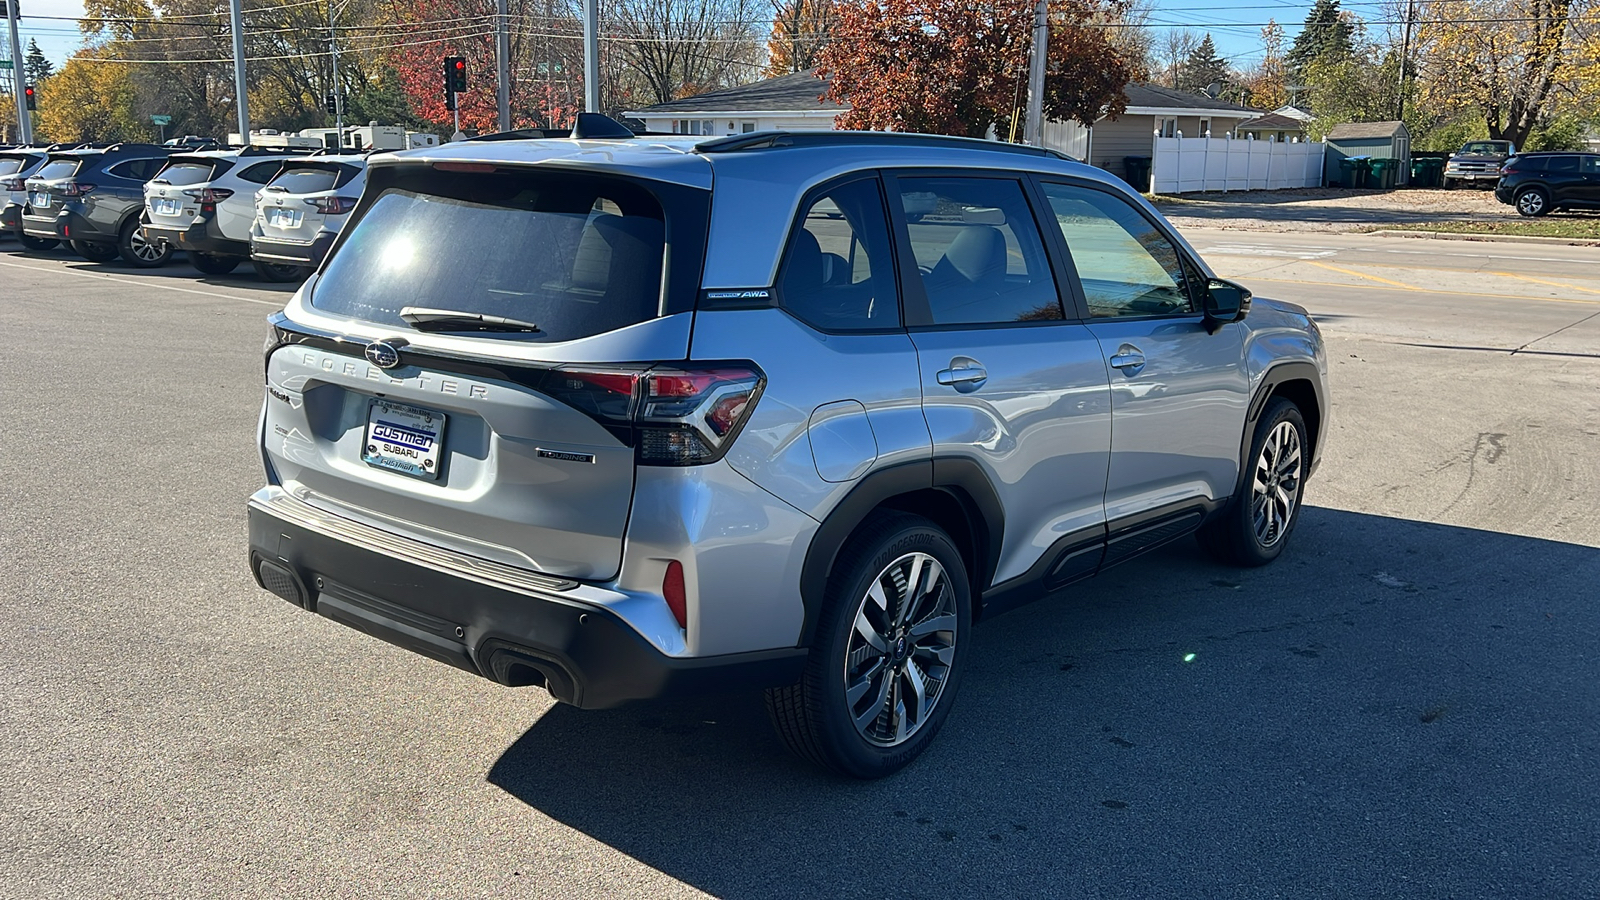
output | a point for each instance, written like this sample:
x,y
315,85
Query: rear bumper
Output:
x,y
11,218
308,253
65,225
496,621
198,237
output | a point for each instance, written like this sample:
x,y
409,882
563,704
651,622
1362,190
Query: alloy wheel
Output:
x,y
145,250
900,650
1531,203
1275,489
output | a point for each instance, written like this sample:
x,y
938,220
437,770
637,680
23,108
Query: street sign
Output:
x,y
5,64
160,120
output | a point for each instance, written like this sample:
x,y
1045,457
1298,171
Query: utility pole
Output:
x,y
591,55
24,118
338,94
1033,133
236,19
502,31
1405,59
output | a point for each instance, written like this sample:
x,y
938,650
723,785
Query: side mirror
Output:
x,y
1225,302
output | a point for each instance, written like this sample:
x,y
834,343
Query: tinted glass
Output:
x,y
1529,163
575,255
1486,148
1561,164
57,168
137,169
979,251
182,173
1591,165
305,180
11,165
261,173
1127,267
839,273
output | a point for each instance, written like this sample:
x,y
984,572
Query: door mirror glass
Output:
x,y
1225,302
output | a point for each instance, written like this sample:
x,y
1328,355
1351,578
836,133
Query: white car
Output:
x,y
300,212
16,165
204,203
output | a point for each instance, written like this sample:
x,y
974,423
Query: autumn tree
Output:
x,y
92,98
799,30
1172,48
1515,64
1267,84
1128,26
679,48
1203,68
952,67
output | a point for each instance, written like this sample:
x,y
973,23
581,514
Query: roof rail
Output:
x,y
768,140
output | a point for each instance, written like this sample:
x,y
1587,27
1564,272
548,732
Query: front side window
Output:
x,y
839,271
978,250
573,255
1126,265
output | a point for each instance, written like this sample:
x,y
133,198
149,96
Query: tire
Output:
x,y
280,273
37,244
1275,480
1533,202
210,264
816,717
138,252
94,251
1448,184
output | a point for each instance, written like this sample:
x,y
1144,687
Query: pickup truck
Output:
x,y
1478,162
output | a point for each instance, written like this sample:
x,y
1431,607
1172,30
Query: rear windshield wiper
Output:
x,y
424,319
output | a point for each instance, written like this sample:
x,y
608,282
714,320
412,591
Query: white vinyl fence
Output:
x,y
1185,165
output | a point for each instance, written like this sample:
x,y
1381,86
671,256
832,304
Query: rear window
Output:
x,y
577,255
58,168
11,165
306,180
183,173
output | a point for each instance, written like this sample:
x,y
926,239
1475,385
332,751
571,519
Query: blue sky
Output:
x,y
1235,25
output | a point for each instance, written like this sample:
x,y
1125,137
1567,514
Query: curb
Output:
x,y
1505,238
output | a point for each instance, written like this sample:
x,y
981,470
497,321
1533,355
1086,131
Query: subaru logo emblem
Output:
x,y
382,354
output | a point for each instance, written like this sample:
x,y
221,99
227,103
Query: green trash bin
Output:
x,y
1427,172
1138,172
1354,171
1384,171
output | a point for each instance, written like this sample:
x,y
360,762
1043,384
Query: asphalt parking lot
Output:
x,y
1404,705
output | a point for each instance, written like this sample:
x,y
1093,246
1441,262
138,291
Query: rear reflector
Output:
x,y
672,590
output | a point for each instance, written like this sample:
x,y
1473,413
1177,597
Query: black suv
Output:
x,y
1539,183
92,199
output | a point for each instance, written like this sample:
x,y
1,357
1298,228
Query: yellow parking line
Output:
x,y
1570,287
1356,274
1374,287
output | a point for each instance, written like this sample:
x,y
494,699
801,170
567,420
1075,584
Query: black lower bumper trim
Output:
x,y
198,238
308,254
583,653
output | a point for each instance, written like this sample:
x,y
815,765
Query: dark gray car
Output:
x,y
631,416
92,200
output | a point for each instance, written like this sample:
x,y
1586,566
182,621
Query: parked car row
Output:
x,y
278,208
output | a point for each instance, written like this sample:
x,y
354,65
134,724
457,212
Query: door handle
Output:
x,y
963,374
1127,357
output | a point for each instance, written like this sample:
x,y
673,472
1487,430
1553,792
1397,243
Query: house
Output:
x,y
794,102
1285,124
786,103
1377,140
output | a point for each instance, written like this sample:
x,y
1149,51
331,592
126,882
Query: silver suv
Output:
x,y
622,417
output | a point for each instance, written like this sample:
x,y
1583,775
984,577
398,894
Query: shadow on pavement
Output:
x,y
1393,707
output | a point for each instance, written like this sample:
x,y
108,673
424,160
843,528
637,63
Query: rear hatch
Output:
x,y
306,196
517,446
13,168
45,191
173,197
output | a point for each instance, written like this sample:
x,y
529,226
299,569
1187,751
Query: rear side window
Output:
x,y
576,255
58,168
979,251
1562,164
185,173
1528,163
839,272
305,180
261,173
137,169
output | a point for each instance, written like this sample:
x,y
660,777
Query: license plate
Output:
x,y
39,200
404,439
166,207
283,218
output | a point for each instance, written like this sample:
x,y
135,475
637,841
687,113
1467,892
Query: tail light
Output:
x,y
672,415
209,197
13,184
333,206
75,189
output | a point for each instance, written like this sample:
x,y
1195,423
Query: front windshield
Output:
x,y
1487,148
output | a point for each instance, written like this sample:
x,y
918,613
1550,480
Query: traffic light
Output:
x,y
455,74
27,94
330,102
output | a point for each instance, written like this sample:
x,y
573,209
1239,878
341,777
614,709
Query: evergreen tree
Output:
x,y
1203,68
36,67
1326,38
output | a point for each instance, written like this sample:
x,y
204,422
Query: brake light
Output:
x,y
673,592
13,184
75,189
333,206
209,195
